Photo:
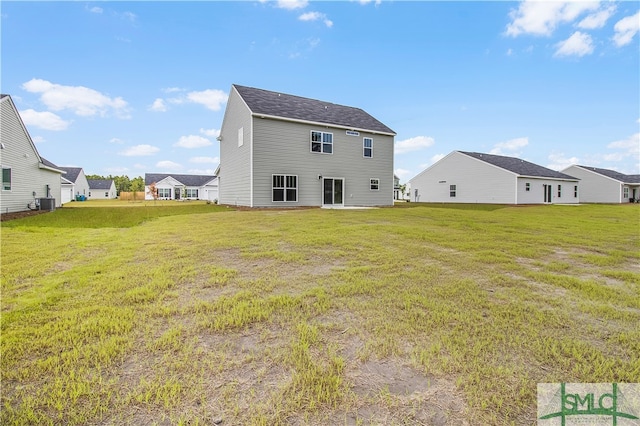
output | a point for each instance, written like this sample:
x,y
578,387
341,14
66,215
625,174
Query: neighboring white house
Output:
x,y
279,150
472,177
605,186
79,179
66,190
179,186
26,176
102,189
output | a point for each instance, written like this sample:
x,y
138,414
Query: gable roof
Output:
x,y
186,180
72,172
518,166
100,183
621,177
296,108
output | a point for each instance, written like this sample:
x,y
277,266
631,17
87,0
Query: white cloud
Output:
x,y
210,98
158,105
560,162
172,89
316,16
625,29
413,144
364,2
117,170
511,147
192,141
542,17
206,172
204,160
579,44
598,19
212,133
44,120
38,139
79,99
168,166
292,4
437,158
402,173
139,151
116,141
629,147
96,9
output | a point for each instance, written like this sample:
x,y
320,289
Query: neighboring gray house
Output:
x,y
26,176
102,189
472,177
279,150
176,186
605,186
79,179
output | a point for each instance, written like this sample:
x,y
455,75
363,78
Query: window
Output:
x,y
625,191
367,144
192,192
322,142
575,191
241,136
164,192
527,186
452,190
374,184
106,194
559,191
285,188
6,179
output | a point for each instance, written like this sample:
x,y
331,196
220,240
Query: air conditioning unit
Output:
x,y
48,204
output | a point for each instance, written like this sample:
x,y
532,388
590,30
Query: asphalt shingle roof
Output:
x,y
186,180
518,166
72,172
100,183
49,163
614,175
292,107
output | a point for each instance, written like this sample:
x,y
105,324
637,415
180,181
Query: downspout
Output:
x,y
251,163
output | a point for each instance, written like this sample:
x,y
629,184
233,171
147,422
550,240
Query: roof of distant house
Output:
x,y
72,172
518,166
296,108
613,174
100,183
186,180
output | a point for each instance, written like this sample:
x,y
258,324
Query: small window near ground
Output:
x,y
575,191
367,144
285,188
559,191
527,186
6,179
322,142
625,192
192,192
452,190
164,192
374,184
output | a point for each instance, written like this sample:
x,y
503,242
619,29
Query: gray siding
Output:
x,y
234,183
596,188
282,147
21,156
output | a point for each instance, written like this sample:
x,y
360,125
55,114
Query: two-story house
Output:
x,y
280,150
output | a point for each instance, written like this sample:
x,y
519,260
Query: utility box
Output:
x,y
48,204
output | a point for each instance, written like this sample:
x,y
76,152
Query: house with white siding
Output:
x,y
281,150
77,176
26,176
102,189
604,185
472,177
181,186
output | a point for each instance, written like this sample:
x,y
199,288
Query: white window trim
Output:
x,y
364,147
285,188
321,142
371,184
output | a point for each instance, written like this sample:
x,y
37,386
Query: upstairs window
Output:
x,y
452,190
285,188
322,142
527,186
367,146
6,179
374,184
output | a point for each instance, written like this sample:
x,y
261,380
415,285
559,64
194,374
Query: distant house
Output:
x,y
605,186
280,150
472,177
26,176
79,179
102,189
180,186
67,189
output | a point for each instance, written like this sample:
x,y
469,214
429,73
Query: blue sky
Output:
x,y
134,87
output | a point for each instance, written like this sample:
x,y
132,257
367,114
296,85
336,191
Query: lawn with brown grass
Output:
x,y
417,314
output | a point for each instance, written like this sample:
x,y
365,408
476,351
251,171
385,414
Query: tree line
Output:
x,y
123,183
